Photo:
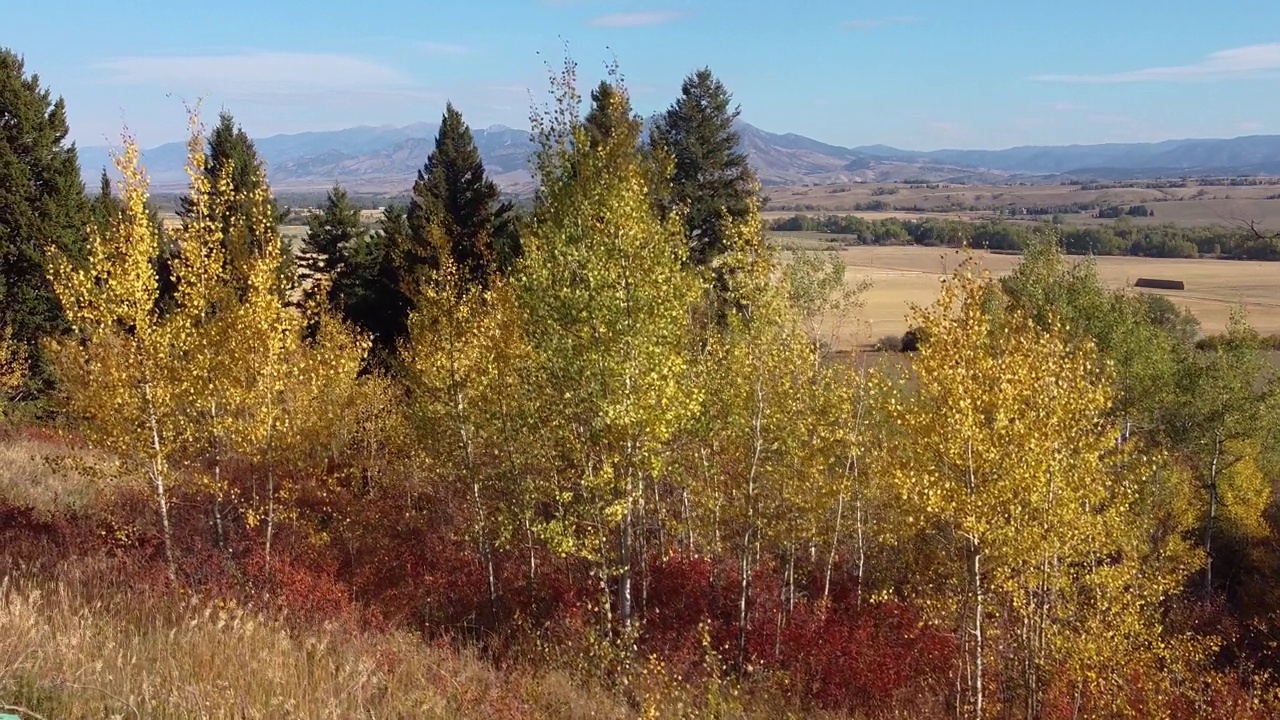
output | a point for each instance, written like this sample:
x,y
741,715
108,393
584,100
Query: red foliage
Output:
x,y
837,653
27,538
870,658
396,563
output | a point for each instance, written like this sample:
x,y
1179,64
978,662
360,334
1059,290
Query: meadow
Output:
x,y
902,276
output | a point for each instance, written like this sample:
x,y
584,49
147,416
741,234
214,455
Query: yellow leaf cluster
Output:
x,y
1003,448
13,368
176,390
605,300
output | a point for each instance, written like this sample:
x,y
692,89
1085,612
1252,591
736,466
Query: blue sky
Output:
x,y
919,75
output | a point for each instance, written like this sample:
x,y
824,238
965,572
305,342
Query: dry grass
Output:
x,y
48,475
79,646
904,275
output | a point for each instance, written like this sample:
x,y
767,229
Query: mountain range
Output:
x,y
385,160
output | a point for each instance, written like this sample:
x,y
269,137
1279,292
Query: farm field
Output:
x,y
1194,205
901,276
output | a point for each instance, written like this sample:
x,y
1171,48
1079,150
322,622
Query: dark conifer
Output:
x,y
42,203
456,208
711,179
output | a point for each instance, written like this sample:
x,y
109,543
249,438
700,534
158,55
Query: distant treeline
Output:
x,y
1119,238
293,201
1179,183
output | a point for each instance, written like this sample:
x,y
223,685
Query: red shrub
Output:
x,y
870,658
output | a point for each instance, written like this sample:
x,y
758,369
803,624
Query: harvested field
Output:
x,y
901,276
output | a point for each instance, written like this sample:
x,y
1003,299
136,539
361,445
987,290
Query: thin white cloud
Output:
x,y
1239,62
870,23
637,19
257,71
439,48
1251,125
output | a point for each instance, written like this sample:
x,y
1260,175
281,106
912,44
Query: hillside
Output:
x,y
385,159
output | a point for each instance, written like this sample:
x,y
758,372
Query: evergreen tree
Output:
x,y
105,205
231,151
375,294
330,235
711,176
42,206
455,208
611,114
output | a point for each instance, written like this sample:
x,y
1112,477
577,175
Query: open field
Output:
x,y
901,276
1193,205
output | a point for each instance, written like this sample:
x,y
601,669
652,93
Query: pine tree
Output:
x,y
611,115
455,208
42,206
711,175
374,293
105,206
327,245
235,173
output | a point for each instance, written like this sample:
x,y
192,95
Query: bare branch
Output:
x,y
1250,226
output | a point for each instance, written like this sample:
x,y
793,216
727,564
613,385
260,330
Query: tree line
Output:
x,y
1118,238
615,413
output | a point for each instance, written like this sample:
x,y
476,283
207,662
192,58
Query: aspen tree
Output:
x,y
1004,451
1220,426
760,481
462,355
286,384
123,368
606,301
173,393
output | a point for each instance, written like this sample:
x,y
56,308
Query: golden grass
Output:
x,y
53,478
901,276
80,646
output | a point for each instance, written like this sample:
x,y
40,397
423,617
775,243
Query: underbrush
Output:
x,y
386,614
378,618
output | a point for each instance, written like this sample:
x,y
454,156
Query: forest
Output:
x,y
594,459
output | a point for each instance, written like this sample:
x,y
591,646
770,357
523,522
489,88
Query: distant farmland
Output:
x,y
1195,205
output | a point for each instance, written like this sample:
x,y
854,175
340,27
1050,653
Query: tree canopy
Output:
x,y
42,207
712,181
236,174
456,209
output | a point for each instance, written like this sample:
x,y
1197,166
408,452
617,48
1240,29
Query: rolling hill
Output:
x,y
385,159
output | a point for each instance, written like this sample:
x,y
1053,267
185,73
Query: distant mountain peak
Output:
x,y
385,158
